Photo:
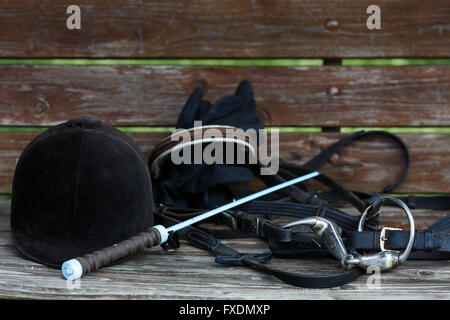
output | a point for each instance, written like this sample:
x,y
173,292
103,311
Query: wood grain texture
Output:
x,y
381,158
190,273
286,96
230,29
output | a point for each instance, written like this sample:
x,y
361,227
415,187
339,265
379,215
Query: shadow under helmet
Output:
x,y
79,187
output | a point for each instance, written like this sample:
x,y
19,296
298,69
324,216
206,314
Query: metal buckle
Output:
x,y
386,259
383,238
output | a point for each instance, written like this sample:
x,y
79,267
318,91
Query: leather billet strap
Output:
x,y
195,136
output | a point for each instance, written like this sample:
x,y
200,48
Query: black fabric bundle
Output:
x,y
201,185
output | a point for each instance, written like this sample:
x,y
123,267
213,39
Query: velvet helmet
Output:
x,y
78,187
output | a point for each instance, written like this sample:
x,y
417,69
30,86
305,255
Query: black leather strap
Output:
x,y
413,202
295,192
394,240
430,244
227,255
316,162
298,280
300,210
291,170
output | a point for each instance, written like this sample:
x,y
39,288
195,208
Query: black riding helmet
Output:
x,y
78,187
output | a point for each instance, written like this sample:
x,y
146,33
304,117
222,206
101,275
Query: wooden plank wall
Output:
x,y
224,29
330,96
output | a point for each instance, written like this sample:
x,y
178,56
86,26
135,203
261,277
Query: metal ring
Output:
x,y
404,255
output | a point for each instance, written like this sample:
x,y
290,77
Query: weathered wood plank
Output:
x,y
236,29
286,96
190,273
381,158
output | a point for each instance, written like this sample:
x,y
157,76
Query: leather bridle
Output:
x,y
362,238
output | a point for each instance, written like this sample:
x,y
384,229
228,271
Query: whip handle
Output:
x,y
78,267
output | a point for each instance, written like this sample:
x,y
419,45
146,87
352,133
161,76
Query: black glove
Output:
x,y
201,185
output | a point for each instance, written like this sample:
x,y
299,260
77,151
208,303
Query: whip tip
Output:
x,y
72,269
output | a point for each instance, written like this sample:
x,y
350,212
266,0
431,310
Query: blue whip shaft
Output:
x,y
236,203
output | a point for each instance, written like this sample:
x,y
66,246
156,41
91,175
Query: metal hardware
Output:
x,y
234,225
257,226
329,233
374,208
383,237
386,259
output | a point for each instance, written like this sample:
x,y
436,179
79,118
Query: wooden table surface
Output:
x,y
190,273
